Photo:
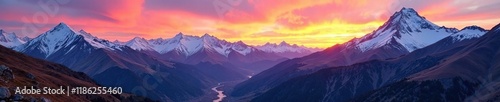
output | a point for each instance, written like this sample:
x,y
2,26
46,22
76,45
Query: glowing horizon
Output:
x,y
322,23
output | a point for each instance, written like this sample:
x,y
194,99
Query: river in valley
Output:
x,y
220,94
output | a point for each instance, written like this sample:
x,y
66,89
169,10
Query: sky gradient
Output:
x,y
321,23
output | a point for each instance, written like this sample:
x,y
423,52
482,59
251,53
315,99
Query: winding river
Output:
x,y
220,93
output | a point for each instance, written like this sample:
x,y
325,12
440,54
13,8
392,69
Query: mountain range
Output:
x,y
185,65
395,50
287,50
194,49
112,64
470,74
444,71
188,45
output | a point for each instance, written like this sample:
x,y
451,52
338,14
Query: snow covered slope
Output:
x,y
10,40
138,44
469,32
403,33
407,28
286,50
63,36
469,75
194,50
188,45
481,57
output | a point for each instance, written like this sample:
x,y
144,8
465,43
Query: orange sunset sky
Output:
x,y
313,23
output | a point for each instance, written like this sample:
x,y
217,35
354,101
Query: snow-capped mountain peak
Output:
x,y
283,43
409,19
469,32
10,40
406,28
284,47
474,27
62,36
188,45
26,39
241,47
85,34
206,35
209,39
180,35
138,43
62,25
54,39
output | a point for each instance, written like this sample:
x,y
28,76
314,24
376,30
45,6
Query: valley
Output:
x,y
220,94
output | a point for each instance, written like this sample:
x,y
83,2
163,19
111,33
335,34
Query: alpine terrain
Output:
x,y
404,33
